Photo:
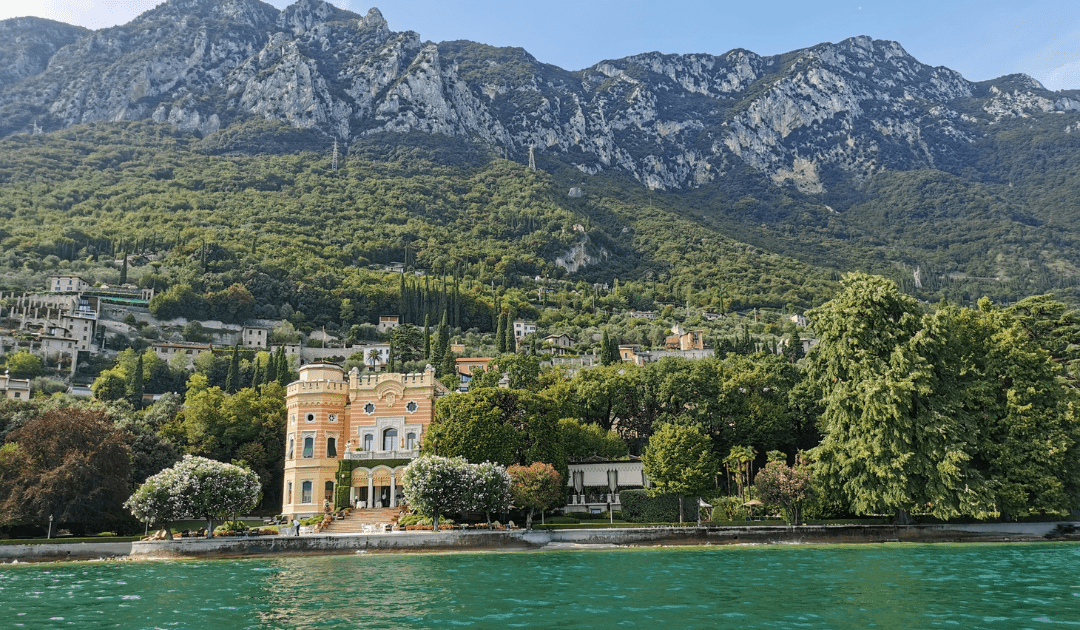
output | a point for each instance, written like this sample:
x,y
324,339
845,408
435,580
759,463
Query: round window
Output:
x,y
412,406
332,417
369,408
310,417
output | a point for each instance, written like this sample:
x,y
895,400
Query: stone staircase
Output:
x,y
354,523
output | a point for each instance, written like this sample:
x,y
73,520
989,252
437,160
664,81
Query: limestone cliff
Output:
x,y
831,112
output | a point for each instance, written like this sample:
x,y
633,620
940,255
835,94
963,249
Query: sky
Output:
x,y
981,39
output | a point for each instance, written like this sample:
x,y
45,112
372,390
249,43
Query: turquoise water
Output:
x,y
966,586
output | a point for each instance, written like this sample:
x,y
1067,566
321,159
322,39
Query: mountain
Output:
x,y
844,155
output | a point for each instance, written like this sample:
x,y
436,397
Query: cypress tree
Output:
x,y
449,366
391,366
271,368
256,374
442,343
500,335
135,383
282,367
232,379
609,349
508,330
123,270
427,336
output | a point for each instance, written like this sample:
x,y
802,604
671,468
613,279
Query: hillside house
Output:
x,y
523,328
387,323
254,337
68,284
167,351
633,354
14,388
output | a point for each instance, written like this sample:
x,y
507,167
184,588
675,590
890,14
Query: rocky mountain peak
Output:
x,y
831,112
306,14
231,10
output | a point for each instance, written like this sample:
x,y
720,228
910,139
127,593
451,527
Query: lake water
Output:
x,y
966,586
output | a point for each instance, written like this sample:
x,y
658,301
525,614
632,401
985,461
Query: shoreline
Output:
x,y
535,540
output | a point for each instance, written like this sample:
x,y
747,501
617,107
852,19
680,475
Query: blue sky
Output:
x,y
980,39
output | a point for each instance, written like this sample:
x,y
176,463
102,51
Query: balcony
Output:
x,y
394,454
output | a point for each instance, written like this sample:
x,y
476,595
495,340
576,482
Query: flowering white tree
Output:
x,y
196,487
437,485
489,491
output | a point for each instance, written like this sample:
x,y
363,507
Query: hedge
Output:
x,y
639,507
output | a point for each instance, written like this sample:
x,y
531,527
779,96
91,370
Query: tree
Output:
x,y
434,485
135,386
896,417
535,487
679,460
786,486
408,343
232,380
284,374
472,428
196,487
586,440
110,385
1028,434
22,364
71,464
500,335
427,336
609,349
490,490
151,452
523,372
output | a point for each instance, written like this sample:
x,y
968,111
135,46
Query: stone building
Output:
x,y
374,422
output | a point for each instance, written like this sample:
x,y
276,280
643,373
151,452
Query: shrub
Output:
x,y
639,507
728,509
562,520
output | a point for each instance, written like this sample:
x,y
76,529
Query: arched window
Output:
x,y
389,442
309,446
288,494
368,442
331,447
410,441
329,491
305,492
292,444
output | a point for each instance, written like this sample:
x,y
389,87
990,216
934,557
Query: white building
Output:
x,y
523,328
68,284
254,337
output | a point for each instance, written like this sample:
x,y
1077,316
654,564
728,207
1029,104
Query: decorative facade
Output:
x,y
377,421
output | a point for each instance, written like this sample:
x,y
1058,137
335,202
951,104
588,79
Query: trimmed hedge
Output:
x,y
639,507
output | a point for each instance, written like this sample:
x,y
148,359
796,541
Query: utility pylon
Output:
x,y
333,163
532,159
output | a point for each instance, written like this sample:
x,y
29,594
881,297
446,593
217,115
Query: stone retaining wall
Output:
x,y
48,552
456,540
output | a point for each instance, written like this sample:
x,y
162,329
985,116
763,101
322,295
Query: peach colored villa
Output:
x,y
377,420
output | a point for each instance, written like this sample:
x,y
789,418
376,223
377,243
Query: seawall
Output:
x,y
49,552
518,540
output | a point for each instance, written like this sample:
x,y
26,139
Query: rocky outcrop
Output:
x,y
803,119
28,43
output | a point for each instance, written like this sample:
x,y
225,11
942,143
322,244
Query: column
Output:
x,y
393,491
370,489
